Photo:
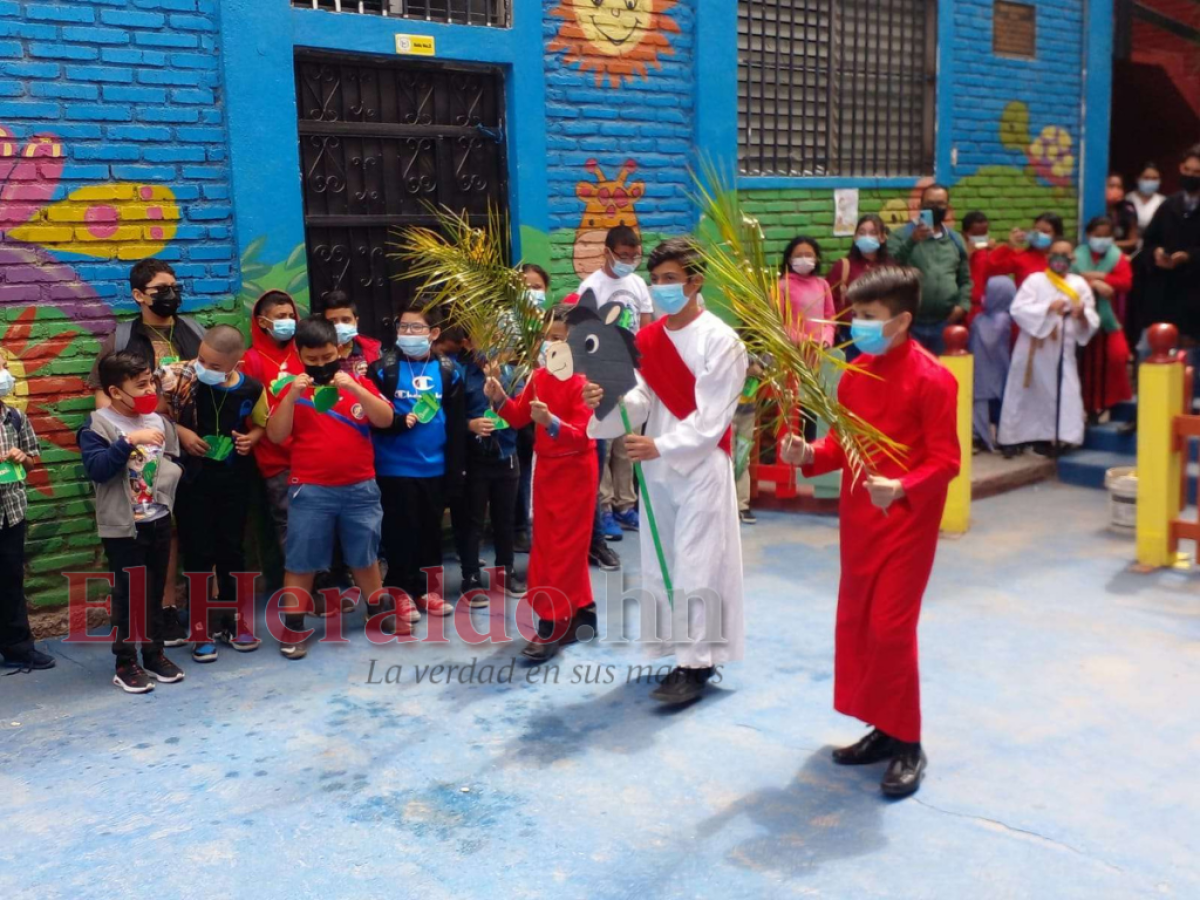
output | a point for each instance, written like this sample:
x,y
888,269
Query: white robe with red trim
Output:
x,y
693,492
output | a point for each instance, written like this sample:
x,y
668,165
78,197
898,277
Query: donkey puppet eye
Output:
x,y
591,343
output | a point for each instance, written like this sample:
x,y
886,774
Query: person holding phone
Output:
x,y
931,246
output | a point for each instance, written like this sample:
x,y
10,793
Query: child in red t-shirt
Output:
x,y
332,492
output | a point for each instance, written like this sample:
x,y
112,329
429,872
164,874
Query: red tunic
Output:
x,y
887,559
1104,369
1020,264
565,482
263,362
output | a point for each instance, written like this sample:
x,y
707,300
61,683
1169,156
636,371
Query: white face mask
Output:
x,y
7,382
803,265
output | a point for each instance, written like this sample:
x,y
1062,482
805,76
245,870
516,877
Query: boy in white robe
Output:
x,y
1056,312
693,368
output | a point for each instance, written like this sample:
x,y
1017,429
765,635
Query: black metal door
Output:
x,y
379,141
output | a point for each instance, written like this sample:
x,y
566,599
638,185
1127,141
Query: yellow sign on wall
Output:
x,y
415,45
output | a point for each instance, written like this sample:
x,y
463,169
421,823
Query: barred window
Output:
x,y
836,87
456,12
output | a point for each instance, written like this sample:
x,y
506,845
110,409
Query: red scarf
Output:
x,y
664,370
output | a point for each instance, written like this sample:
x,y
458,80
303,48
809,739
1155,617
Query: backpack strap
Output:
x,y
122,335
191,325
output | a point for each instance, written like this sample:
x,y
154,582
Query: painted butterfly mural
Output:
x,y
50,316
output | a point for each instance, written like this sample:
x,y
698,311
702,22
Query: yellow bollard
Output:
x,y
1160,400
956,518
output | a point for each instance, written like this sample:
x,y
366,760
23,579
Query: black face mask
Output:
x,y
323,374
1190,183
164,301
939,215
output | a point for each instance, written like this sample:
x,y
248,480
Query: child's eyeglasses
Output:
x,y
407,328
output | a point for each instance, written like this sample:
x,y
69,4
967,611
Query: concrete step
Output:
x,y
1087,468
1108,437
1125,412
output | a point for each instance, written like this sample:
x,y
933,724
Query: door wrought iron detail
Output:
x,y
379,143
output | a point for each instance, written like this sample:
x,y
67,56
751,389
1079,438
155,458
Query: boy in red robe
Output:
x,y
559,586
889,522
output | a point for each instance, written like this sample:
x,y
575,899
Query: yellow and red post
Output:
x,y
956,518
1160,462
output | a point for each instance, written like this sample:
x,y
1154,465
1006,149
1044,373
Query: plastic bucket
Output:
x,y
1122,485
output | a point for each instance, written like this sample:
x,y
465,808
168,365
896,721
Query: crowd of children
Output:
x,y
356,450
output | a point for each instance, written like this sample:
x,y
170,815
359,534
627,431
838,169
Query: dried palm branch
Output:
x,y
464,269
738,267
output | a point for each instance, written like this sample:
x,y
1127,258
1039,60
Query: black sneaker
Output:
x,y
521,542
682,686
132,678
175,632
300,650
162,669
514,584
27,662
602,556
747,517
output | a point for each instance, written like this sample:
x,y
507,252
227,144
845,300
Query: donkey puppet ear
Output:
x,y
612,313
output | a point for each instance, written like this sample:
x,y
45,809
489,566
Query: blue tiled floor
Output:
x,y
1060,706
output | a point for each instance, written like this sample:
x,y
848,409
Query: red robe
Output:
x,y
887,559
565,483
1104,369
1020,264
264,362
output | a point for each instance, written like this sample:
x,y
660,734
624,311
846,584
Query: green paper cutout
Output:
x,y
325,398
492,416
11,473
219,447
280,383
741,455
750,391
426,408
149,471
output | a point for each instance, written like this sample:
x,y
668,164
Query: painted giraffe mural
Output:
x,y
607,203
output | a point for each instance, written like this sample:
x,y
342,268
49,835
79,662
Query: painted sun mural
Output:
x,y
617,39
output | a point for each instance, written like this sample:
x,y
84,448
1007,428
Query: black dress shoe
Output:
x,y
682,686
584,618
545,646
875,747
903,776
34,659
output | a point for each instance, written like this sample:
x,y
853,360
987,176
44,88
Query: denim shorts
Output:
x,y
317,515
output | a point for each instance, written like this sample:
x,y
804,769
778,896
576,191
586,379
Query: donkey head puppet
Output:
x,y
602,350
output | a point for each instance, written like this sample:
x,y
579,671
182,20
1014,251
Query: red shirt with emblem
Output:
x,y
333,448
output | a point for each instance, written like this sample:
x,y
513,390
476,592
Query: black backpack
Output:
x,y
124,331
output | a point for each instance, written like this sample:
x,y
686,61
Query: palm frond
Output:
x,y
464,269
738,266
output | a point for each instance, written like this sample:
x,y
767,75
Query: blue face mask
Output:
x,y
414,345
537,297
868,336
1148,187
1039,240
1100,245
211,377
7,383
623,269
867,244
283,329
345,333
670,298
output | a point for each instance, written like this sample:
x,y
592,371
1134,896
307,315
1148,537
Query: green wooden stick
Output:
x,y
662,557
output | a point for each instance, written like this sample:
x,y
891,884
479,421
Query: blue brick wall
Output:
x,y
648,120
132,90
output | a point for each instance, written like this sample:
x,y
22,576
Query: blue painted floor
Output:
x,y
1061,701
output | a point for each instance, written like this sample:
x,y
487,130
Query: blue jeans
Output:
x,y
317,515
929,336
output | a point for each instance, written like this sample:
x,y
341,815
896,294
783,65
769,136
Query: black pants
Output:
x,y
151,550
211,514
491,483
460,526
412,530
15,638
598,518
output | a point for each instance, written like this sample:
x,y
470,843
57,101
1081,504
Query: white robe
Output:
x,y
693,492
1028,412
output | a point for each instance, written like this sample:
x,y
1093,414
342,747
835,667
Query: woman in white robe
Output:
x,y
1056,312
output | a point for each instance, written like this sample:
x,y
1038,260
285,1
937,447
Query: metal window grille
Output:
x,y
836,87
494,13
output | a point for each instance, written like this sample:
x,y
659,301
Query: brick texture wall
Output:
x,y
112,149
621,137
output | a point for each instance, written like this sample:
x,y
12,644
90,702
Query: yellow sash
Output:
x,y
1063,286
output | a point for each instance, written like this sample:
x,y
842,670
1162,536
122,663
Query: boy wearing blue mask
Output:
x,y
419,460
225,413
888,522
356,352
692,372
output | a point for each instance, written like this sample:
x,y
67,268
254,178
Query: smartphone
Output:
x,y
927,218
